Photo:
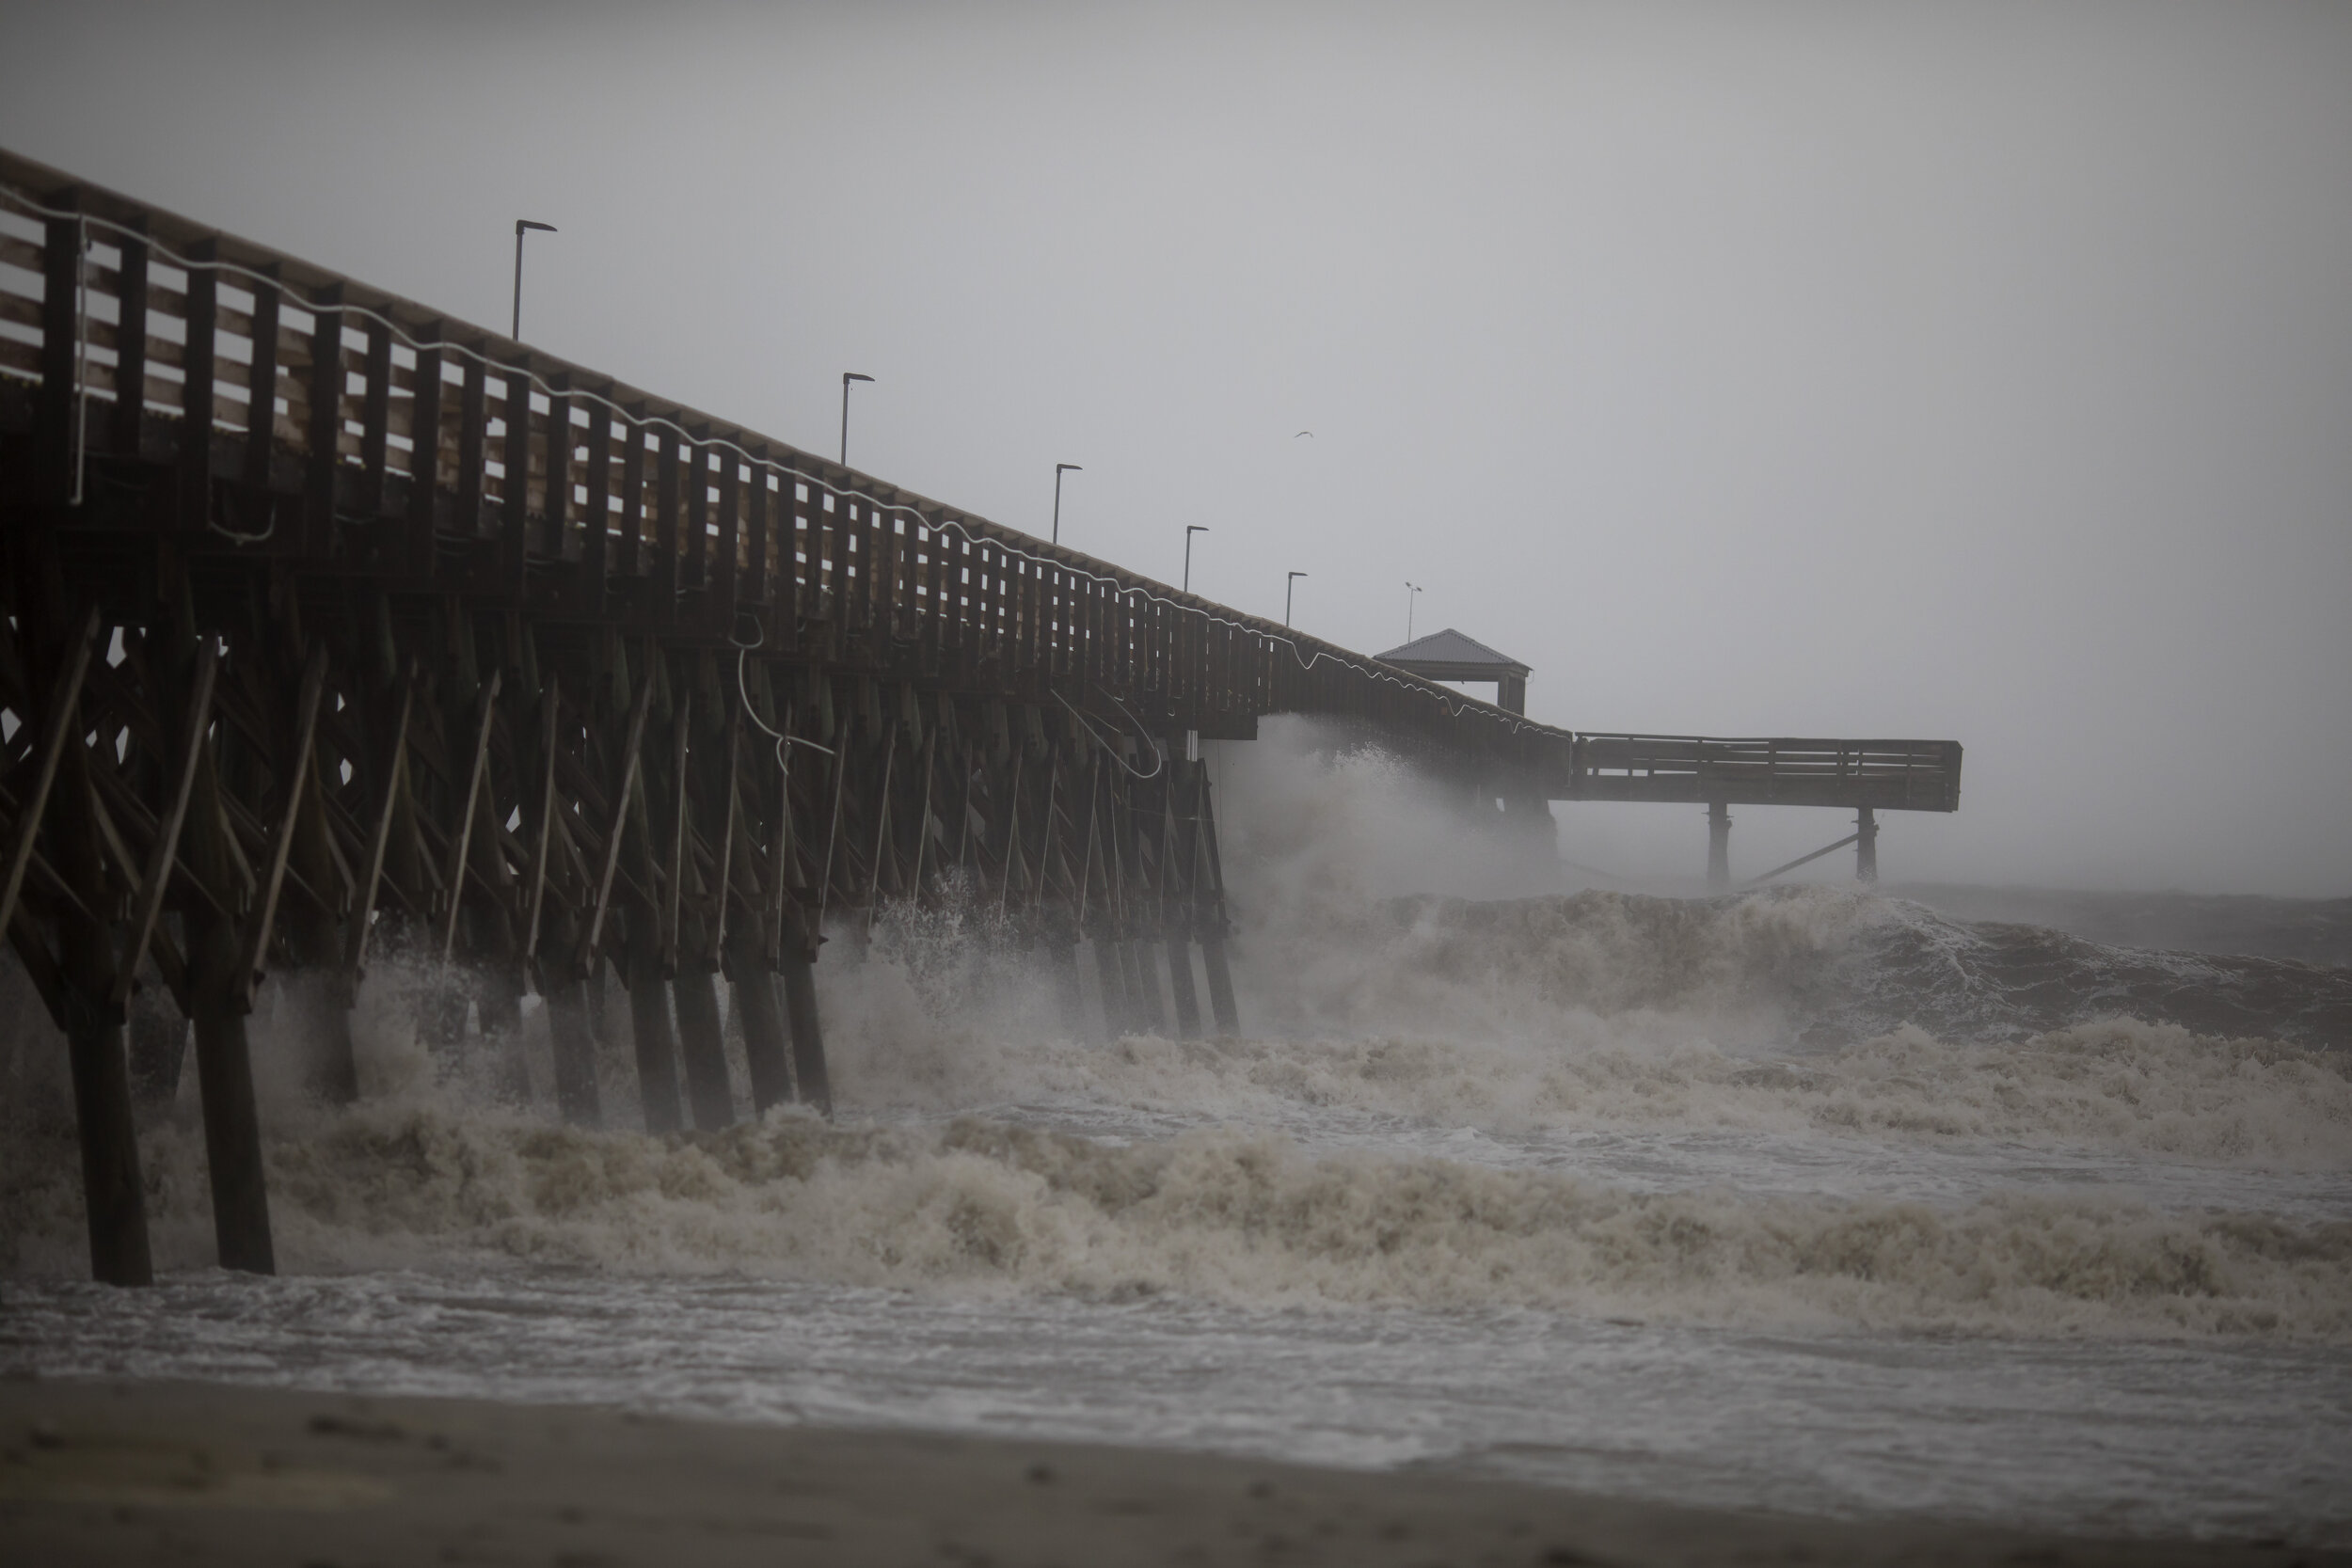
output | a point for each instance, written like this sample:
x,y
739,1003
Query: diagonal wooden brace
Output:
x,y
717,920
463,839
549,741
395,782
167,846
65,704
254,940
586,959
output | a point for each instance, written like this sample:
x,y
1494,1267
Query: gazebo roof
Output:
x,y
1449,655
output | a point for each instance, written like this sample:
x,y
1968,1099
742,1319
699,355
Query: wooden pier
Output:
x,y
332,619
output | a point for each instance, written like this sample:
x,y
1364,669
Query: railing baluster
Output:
x,y
424,461
514,508
129,421
197,354
56,412
474,439
375,420
796,539
327,422
758,583
596,516
694,571
629,559
662,579
724,548
261,409
555,495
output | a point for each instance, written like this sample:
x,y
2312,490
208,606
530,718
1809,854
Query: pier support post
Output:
x,y
1064,958
159,1043
1112,977
764,1049
808,1036
1866,845
571,1041
1718,845
233,1129
1143,986
702,1046
1220,983
1181,988
651,1037
114,1196
574,1048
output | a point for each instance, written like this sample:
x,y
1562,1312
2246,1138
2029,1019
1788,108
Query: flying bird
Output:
x,y
1302,433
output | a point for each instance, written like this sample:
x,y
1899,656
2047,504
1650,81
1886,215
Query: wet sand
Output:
x,y
120,1472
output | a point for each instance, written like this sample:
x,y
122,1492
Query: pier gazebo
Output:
x,y
1449,655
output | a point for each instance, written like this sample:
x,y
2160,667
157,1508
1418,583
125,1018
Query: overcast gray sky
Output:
x,y
1976,370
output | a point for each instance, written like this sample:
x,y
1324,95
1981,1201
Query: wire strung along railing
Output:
x,y
433,456
334,629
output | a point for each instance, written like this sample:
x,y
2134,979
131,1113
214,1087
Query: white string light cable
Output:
x,y
1306,661
742,651
1159,757
1154,741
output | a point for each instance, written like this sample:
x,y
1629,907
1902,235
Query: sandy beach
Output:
x,y
119,1471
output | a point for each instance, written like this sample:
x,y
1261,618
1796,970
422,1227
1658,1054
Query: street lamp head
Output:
x,y
848,376
521,224
1196,528
1068,468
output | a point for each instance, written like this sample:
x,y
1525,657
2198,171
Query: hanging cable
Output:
x,y
743,651
1158,756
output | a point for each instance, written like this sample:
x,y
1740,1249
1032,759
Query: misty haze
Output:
x,y
1041,784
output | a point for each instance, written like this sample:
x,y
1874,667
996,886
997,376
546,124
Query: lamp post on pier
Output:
x,y
848,376
1059,469
1409,598
1287,586
514,329
1190,528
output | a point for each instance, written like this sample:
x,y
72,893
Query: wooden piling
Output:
x,y
571,1041
233,1128
573,1048
1111,974
1188,1000
115,1199
654,1042
1062,956
766,1051
1718,845
219,981
703,1045
1143,987
159,1043
811,1083
1866,845
1221,1004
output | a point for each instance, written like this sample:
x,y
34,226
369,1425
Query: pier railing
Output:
x,y
320,421
1888,775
